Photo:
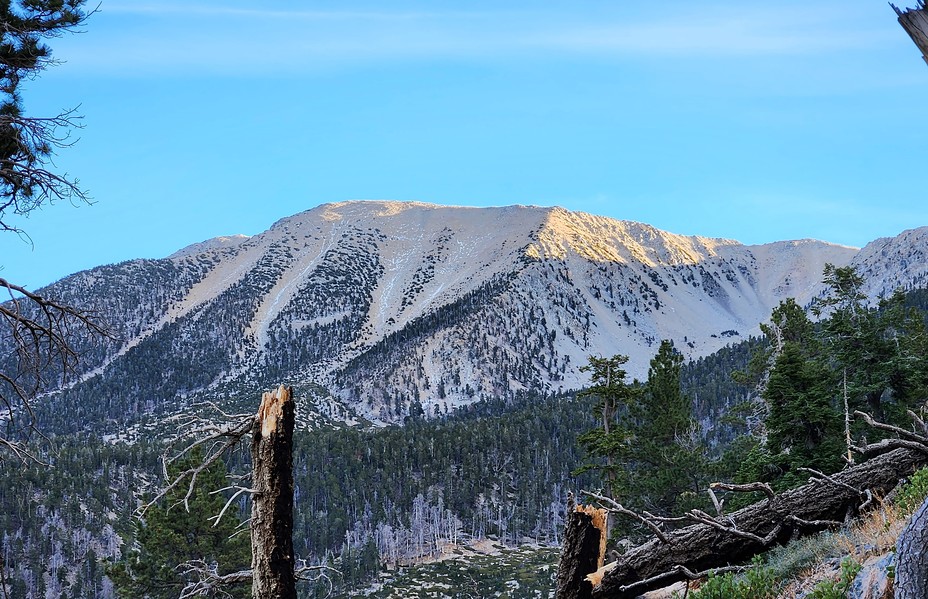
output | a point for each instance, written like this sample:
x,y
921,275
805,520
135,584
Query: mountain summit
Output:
x,y
396,308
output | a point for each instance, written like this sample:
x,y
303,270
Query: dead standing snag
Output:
x,y
272,502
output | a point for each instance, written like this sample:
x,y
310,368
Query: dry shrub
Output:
x,y
873,533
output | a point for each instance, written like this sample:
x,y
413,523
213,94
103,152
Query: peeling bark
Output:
x,y
272,504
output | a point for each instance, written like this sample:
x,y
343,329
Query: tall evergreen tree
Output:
x,y
669,455
608,443
652,453
815,375
170,535
879,351
36,333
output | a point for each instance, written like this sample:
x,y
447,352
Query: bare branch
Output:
x,y
919,422
208,581
704,518
39,333
716,503
746,488
21,451
686,572
239,491
618,508
814,523
888,444
821,476
664,519
905,434
197,431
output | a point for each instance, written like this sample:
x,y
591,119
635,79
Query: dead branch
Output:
x,y
716,503
238,491
618,508
38,332
813,523
890,444
821,476
197,431
746,488
919,422
905,434
677,571
701,517
207,580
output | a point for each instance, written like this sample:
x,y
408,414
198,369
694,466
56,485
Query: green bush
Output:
x,y
788,561
837,589
913,494
759,582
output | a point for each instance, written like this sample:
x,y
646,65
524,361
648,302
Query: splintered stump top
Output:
x,y
584,550
271,410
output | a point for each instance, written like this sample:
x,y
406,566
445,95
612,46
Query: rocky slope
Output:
x,y
395,308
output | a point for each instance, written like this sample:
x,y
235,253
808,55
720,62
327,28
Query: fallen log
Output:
x,y
723,541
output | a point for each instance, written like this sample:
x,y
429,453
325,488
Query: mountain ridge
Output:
x,y
398,307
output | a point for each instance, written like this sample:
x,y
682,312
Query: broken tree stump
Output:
x,y
583,553
272,559
915,23
753,529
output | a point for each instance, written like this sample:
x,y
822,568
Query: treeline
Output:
x,y
60,519
389,497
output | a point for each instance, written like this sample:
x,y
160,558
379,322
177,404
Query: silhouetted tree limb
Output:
x,y
36,336
36,333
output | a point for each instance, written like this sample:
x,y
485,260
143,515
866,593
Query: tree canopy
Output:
x,y
170,536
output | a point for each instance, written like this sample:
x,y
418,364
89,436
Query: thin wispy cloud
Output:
x,y
264,13
210,38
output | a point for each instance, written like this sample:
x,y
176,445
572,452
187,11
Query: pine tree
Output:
x,y
609,443
879,350
813,376
170,535
668,454
652,453
801,422
803,425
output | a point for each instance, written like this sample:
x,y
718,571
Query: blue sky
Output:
x,y
752,121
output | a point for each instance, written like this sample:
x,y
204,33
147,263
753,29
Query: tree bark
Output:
x,y
584,547
702,546
912,557
272,557
915,23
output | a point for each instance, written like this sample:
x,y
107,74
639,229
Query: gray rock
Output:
x,y
873,580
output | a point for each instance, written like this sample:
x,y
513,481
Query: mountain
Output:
x,y
391,309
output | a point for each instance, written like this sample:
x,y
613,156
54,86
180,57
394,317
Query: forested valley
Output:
x,y
366,499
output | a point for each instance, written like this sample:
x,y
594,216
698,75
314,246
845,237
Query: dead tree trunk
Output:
x,y
272,559
915,23
912,557
584,547
719,542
